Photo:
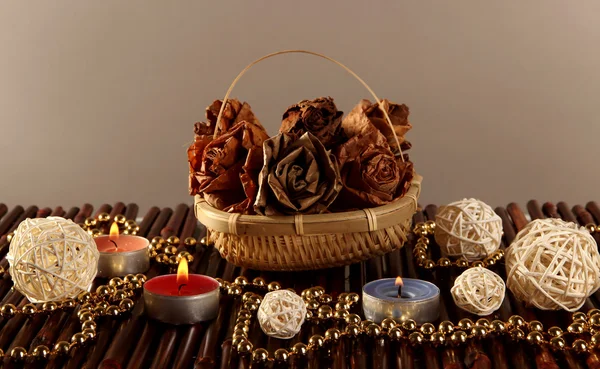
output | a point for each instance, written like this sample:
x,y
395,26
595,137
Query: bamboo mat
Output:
x,y
133,341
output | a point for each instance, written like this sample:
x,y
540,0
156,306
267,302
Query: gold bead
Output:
x,y
95,233
579,316
395,333
353,330
89,334
498,326
312,305
120,219
352,298
575,328
373,330
130,223
458,338
115,282
90,222
325,312
490,261
18,353
365,323
591,227
190,241
126,304
388,323
558,343
235,290
170,250
158,240
535,337
429,264
427,328
517,334
438,339
281,355
274,286
9,237
112,310
325,299
340,314
41,352
300,349
61,348
332,334
310,315
342,297
103,291
318,290
8,310
536,326
555,331
444,262
90,324
342,305
409,325
447,326
103,217
241,280
173,240
29,309
247,296
415,338
99,310
594,320
126,232
68,303
462,263
244,347
136,284
49,306
83,311
353,319
516,321
595,340
579,346
240,333
260,355
430,224
417,228
421,256
477,264
593,312
244,314
251,306
120,295
316,341
78,338
423,240
483,322
479,331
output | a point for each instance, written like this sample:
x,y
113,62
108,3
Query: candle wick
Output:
x,y
399,291
114,243
180,287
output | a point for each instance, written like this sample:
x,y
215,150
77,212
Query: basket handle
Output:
x,y
387,118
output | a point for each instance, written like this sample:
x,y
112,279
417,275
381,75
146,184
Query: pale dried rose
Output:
x,y
298,176
234,112
319,117
229,169
366,114
203,137
371,175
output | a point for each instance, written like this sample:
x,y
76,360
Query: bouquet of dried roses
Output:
x,y
327,190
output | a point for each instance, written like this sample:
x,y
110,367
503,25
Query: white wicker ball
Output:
x,y
469,229
52,259
479,291
553,264
281,314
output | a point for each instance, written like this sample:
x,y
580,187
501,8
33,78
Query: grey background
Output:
x,y
98,98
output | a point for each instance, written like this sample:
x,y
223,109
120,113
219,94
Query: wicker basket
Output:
x,y
304,242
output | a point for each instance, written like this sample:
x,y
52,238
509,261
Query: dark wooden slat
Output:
x,y
131,211
3,210
10,219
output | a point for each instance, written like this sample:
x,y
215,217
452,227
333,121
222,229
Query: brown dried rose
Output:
x,y
366,114
371,175
234,112
203,136
228,172
298,176
319,117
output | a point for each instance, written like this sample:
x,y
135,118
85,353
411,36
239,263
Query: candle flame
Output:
x,y
182,272
399,282
113,235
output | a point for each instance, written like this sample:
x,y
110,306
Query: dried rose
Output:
x,y
319,117
234,112
365,114
229,168
371,175
298,176
204,135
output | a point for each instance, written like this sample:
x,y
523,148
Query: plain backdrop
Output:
x,y
98,98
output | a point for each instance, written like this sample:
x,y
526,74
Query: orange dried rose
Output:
x,y
234,112
203,136
319,117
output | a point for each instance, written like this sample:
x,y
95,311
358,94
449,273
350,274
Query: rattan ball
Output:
x,y
281,314
52,259
469,229
479,291
553,264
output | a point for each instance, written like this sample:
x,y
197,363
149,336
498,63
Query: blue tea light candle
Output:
x,y
420,300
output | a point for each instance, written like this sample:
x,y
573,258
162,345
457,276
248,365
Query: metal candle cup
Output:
x,y
197,301
420,300
129,256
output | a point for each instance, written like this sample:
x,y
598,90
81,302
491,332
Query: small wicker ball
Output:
x,y
553,264
479,291
52,259
469,229
281,314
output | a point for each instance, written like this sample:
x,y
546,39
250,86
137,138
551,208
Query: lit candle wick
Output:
x,y
399,283
399,291
114,243
180,287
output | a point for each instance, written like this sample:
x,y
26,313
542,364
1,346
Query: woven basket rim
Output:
x,y
350,221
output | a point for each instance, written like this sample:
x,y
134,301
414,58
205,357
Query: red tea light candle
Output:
x,y
121,254
183,298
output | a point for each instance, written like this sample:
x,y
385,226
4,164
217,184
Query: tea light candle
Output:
x,y
182,298
420,300
121,254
